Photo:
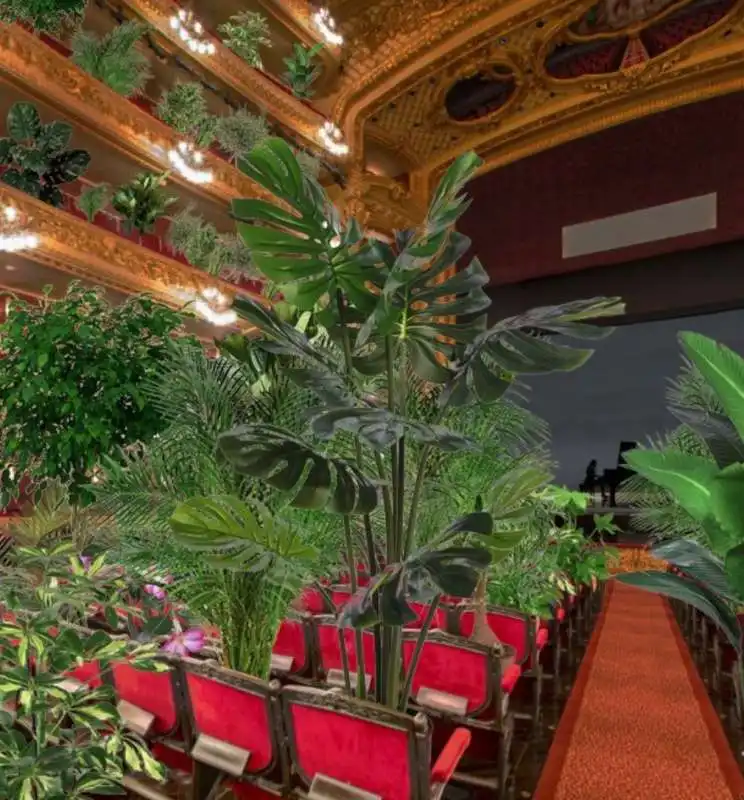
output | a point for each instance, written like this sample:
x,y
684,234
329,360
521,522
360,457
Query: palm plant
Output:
x,y
354,456
708,487
114,58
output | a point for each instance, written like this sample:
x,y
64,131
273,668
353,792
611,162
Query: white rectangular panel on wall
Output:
x,y
652,224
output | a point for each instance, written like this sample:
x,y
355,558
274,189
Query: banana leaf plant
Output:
x,y
387,308
710,574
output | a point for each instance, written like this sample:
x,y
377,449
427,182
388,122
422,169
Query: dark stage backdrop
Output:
x,y
619,394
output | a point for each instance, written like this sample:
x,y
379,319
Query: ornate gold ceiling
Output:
x,y
429,79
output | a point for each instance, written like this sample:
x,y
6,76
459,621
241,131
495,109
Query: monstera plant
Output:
x,y
708,486
386,310
37,156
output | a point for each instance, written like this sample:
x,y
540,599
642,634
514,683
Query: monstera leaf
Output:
x,y
305,249
311,479
512,346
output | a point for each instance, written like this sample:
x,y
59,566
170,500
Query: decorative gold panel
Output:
x,y
42,72
81,249
636,559
253,84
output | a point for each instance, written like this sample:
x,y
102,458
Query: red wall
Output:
x,y
518,211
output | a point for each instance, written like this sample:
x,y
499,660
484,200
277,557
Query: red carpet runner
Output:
x,y
638,724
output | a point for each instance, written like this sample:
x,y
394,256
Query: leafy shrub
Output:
x,y
184,108
94,199
142,201
240,132
43,15
245,34
302,70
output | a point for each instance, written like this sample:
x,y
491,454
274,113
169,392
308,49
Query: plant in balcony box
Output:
x,y
197,398
71,381
60,739
184,108
238,133
37,156
361,457
705,482
43,15
302,70
93,200
142,202
114,58
245,34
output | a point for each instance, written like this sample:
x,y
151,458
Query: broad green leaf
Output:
x,y
727,500
680,588
696,561
687,477
23,121
735,569
723,369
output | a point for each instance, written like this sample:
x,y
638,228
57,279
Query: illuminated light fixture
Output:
x,y
10,213
191,32
212,306
333,139
12,242
325,23
187,161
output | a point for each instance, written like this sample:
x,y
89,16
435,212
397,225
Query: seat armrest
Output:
x,y
448,760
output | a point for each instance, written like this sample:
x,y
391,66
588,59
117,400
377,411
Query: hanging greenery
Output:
x,y
71,380
245,34
114,58
142,202
37,154
238,133
302,70
184,108
43,15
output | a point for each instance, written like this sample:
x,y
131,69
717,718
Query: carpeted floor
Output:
x,y
639,724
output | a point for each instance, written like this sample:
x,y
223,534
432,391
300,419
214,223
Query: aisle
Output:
x,y
638,724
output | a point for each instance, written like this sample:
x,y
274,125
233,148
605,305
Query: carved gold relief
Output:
x,y
74,246
44,73
635,559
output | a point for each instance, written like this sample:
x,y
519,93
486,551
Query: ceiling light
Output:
x,y
325,23
220,318
187,161
191,32
12,242
333,139
10,213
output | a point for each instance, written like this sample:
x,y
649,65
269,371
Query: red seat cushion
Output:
x,y
151,691
510,677
290,641
509,630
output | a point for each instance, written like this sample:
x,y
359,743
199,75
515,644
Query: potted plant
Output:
x,y
245,34
302,70
142,202
41,15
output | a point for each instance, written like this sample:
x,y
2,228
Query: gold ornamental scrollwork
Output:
x,y
46,74
71,245
635,559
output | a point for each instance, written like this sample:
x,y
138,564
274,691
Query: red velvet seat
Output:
x,y
237,716
88,673
328,637
439,621
372,748
293,642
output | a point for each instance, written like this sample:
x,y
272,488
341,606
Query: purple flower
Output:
x,y
86,561
156,591
186,642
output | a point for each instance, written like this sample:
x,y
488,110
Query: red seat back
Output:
x,y
510,627
291,640
234,708
461,669
439,622
329,647
336,739
150,691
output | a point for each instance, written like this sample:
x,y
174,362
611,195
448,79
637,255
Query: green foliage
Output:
x,y
309,164
709,487
114,58
93,200
61,743
239,132
204,247
245,34
43,15
36,154
71,382
302,70
368,447
142,201
184,108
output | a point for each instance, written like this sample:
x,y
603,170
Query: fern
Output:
x,y
240,132
114,58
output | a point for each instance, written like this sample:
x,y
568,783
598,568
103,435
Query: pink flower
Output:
x,y
182,644
156,591
86,561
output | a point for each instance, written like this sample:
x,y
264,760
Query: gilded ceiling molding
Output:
x,y
85,251
37,69
253,84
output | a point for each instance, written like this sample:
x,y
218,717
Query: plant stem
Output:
x,y
405,695
358,636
